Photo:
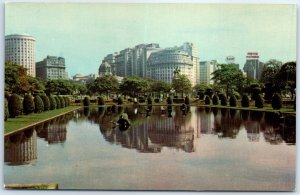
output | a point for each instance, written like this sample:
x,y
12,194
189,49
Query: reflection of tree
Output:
x,y
20,148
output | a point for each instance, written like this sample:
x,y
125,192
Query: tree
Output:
x,y
259,102
223,99
14,105
160,86
232,101
207,100
215,100
16,78
228,75
86,101
101,101
181,84
245,101
39,105
105,84
133,86
52,102
59,87
57,101
36,85
62,102
28,104
46,102
276,102
287,76
201,88
6,113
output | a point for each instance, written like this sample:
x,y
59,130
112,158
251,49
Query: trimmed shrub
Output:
x,y
101,101
39,105
236,94
52,102
276,101
86,101
67,101
14,105
232,101
223,99
245,101
120,100
255,92
169,100
149,100
187,100
201,94
259,102
28,104
215,100
62,101
57,100
207,100
46,102
6,113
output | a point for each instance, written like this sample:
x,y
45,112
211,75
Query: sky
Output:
x,y
84,33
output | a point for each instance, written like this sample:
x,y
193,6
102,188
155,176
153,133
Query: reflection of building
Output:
x,y
20,50
51,68
206,70
206,121
253,67
21,148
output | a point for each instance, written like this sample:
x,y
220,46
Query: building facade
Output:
x,y
84,79
20,50
206,70
253,67
162,64
51,68
123,63
105,69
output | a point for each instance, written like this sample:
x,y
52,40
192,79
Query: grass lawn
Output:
x,y
13,124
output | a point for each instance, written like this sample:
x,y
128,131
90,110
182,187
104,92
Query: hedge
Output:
x,y
223,99
46,102
259,102
232,101
207,100
62,101
245,101
39,105
52,102
57,100
28,104
14,105
215,100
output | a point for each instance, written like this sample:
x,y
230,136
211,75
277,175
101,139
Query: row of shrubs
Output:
x,y
16,105
245,102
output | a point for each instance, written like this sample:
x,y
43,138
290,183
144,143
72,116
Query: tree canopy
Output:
x,y
181,84
134,85
105,84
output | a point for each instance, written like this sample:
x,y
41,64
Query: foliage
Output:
x,y
276,102
67,101
270,71
80,89
187,100
62,102
59,87
207,100
28,104
223,99
232,101
134,85
255,92
160,86
36,85
14,105
39,105
215,100
6,113
86,101
46,102
101,100
287,76
259,102
181,84
16,78
6,94
245,101
149,100
228,75
104,84
52,102
120,100
169,100
57,101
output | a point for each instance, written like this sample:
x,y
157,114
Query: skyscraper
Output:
x,y
206,70
20,50
253,67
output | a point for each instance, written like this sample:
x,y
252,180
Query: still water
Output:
x,y
205,149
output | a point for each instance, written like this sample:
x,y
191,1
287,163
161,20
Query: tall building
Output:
x,y
51,68
105,69
20,50
123,63
163,63
231,60
193,52
111,60
206,70
253,67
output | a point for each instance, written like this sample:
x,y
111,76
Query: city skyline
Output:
x,y
85,33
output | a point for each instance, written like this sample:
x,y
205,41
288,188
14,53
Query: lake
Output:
x,y
203,149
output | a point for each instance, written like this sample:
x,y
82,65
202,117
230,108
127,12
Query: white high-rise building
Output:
x,y
206,70
20,50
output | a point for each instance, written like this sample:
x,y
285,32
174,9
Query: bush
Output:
x,y
200,94
6,95
255,92
156,100
120,101
14,105
28,104
207,100
6,114
39,105
276,101
62,101
232,101
223,99
215,100
52,102
101,101
57,100
149,100
259,102
169,100
187,100
245,101
46,102
67,101
86,101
